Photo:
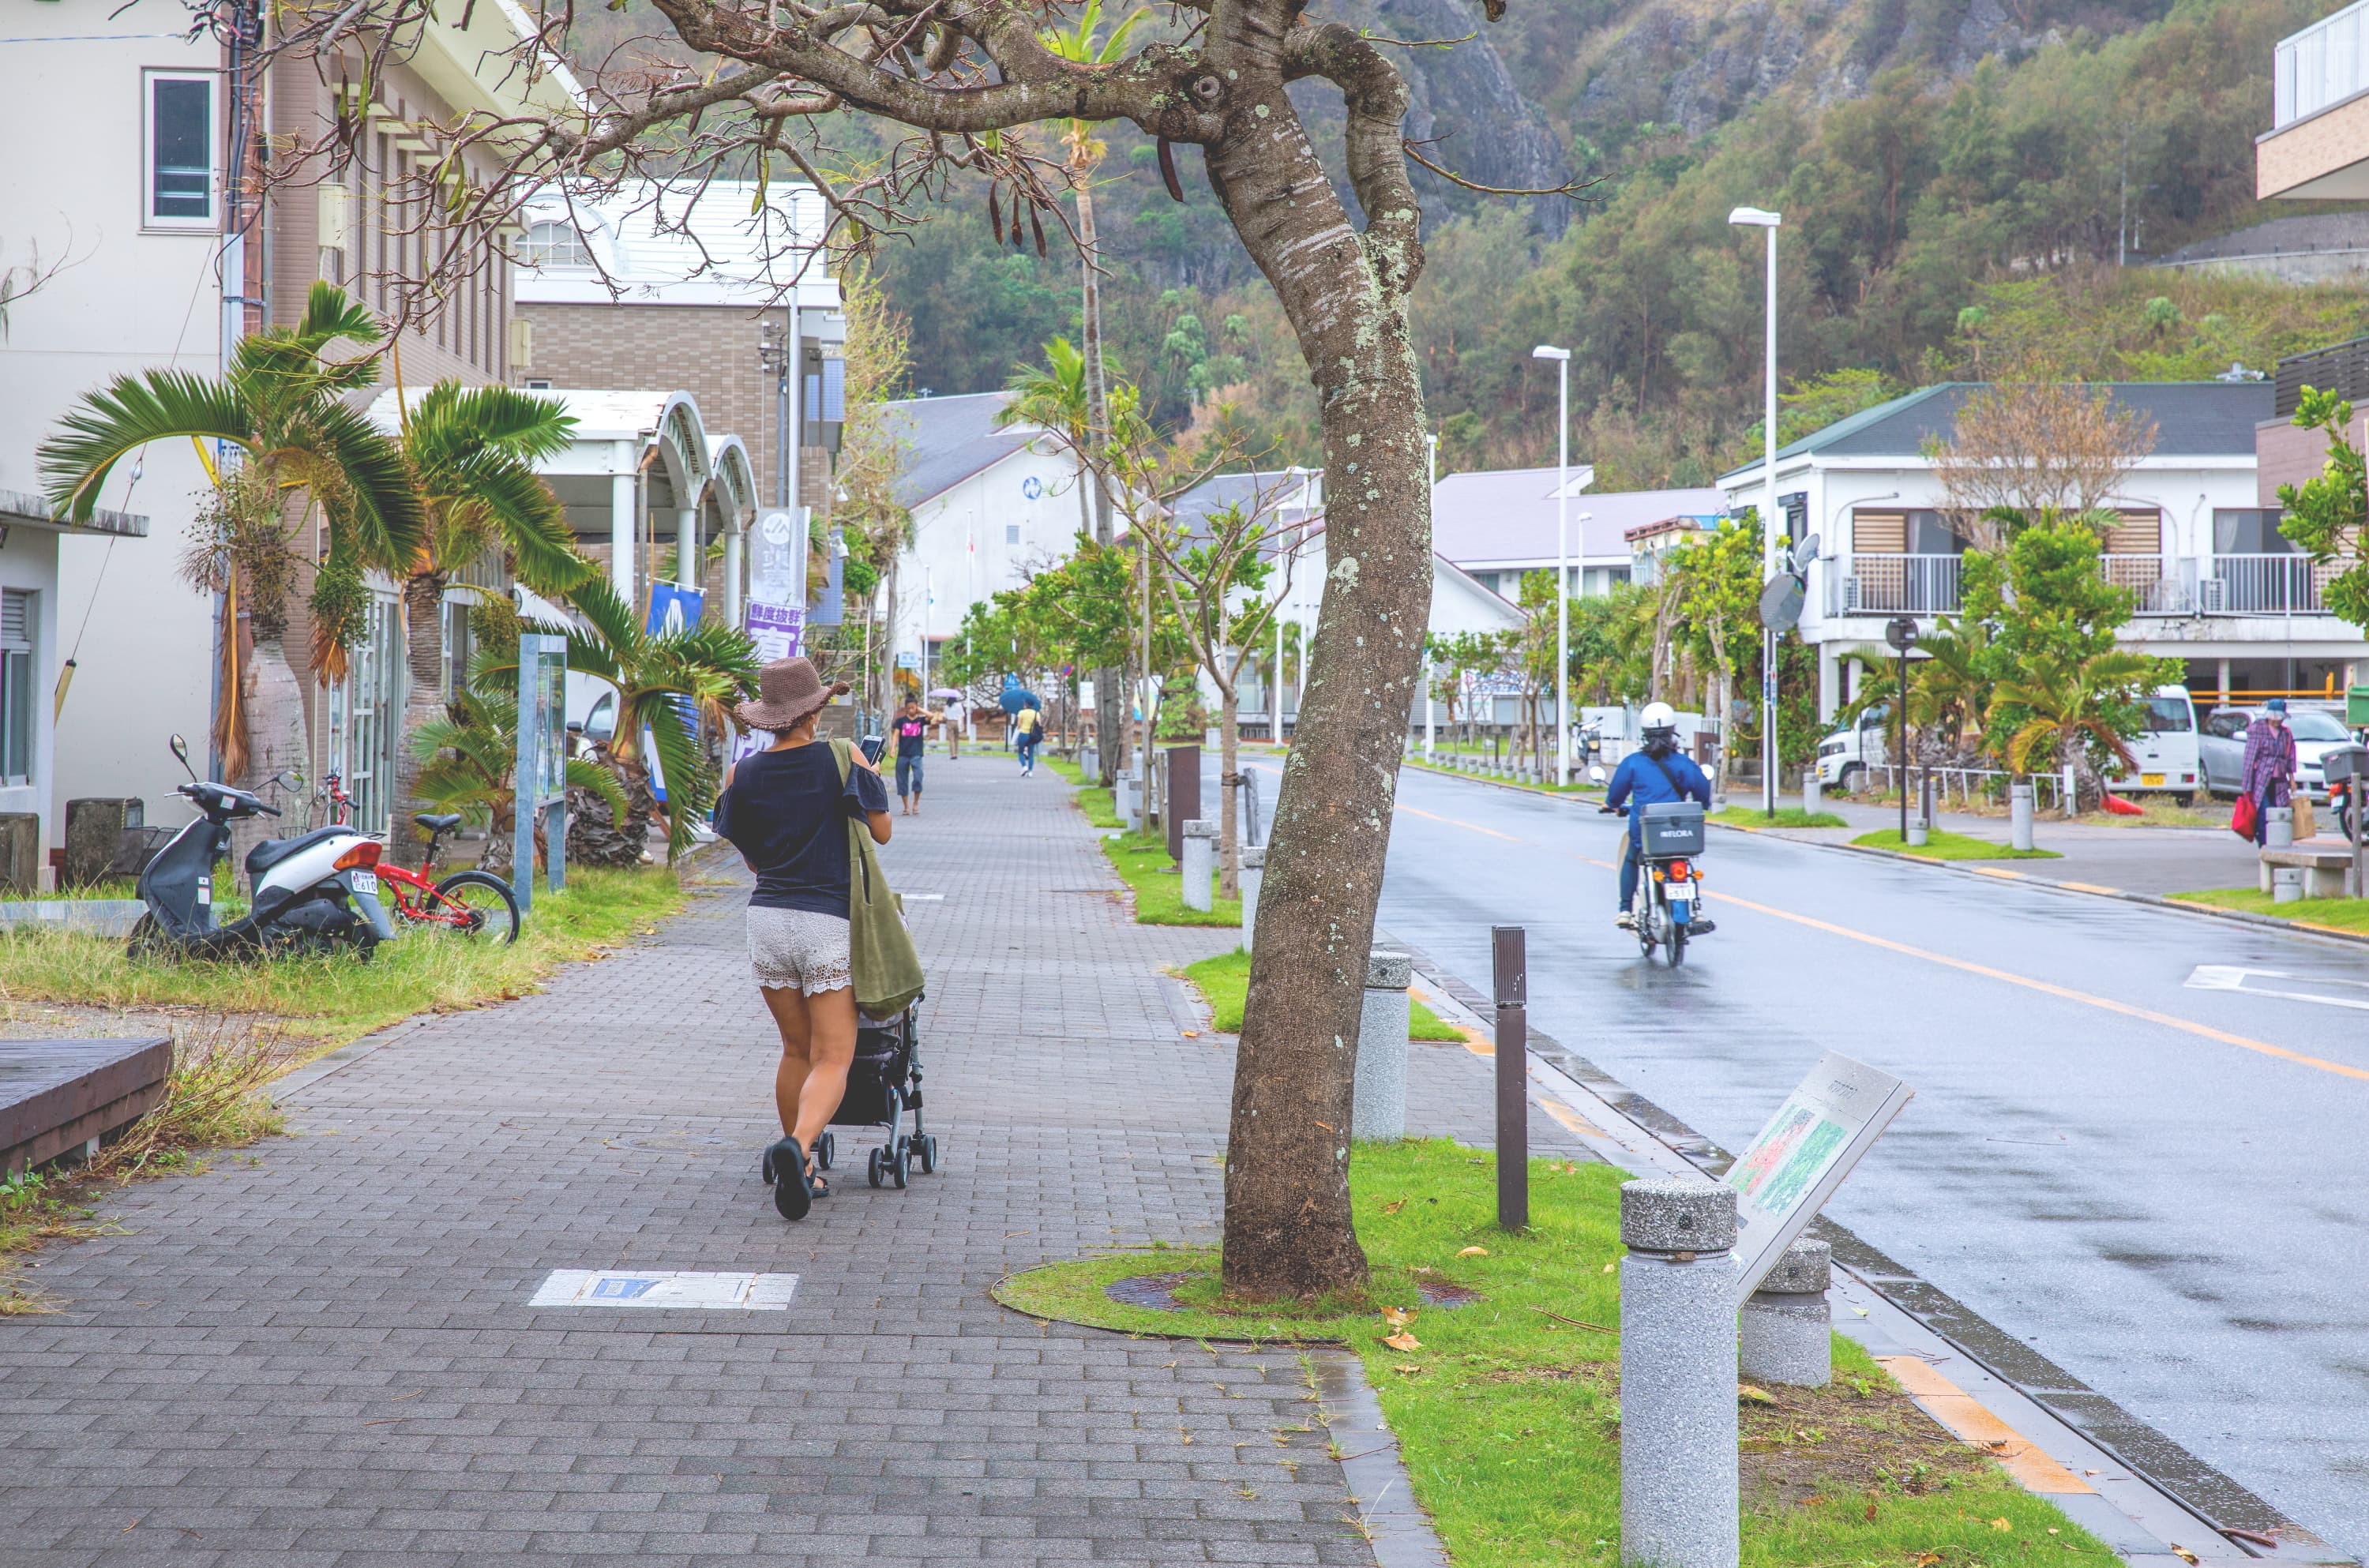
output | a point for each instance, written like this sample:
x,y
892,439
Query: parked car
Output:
x,y
2170,751
2224,747
1846,757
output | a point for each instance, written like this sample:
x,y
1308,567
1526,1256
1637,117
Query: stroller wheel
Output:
x,y
826,1150
876,1170
927,1147
898,1163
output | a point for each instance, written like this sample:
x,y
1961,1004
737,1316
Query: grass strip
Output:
x,y
1509,1417
1097,802
1941,844
1225,982
331,999
1786,817
1142,863
2340,914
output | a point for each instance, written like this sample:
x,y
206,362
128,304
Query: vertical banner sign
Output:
x,y
1834,1116
674,610
775,618
540,783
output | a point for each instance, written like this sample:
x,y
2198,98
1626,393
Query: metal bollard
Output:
x,y
2019,816
1788,1327
2280,834
1379,1110
1678,1486
1253,877
1200,863
1510,981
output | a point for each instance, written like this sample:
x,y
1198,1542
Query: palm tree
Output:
x,y
1948,689
2062,696
668,683
472,451
282,405
467,757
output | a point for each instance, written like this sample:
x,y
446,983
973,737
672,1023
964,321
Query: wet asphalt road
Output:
x,y
2174,1214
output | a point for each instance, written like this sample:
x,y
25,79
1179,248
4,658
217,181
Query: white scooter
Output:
x,y
316,892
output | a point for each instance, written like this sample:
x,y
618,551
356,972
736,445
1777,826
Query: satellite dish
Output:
x,y
1805,551
1780,602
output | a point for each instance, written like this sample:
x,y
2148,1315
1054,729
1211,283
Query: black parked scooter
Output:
x,y
315,892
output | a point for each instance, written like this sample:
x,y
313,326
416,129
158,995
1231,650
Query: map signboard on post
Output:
x,y
1830,1119
539,783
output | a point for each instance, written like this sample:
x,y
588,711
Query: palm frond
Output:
x,y
602,781
131,411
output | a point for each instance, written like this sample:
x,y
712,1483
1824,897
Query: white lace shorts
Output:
x,y
800,948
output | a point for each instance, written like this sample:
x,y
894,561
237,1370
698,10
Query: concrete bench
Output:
x,y
58,1096
2324,867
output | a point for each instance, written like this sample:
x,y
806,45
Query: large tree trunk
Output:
x,y
1288,1232
423,699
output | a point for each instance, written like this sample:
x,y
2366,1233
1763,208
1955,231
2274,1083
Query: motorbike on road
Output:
x,y
315,892
1667,905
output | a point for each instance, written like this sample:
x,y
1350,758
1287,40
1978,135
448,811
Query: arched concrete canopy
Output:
x,y
731,505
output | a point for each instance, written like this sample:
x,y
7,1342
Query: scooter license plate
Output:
x,y
366,882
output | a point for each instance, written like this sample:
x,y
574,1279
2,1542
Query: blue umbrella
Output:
x,y
1015,697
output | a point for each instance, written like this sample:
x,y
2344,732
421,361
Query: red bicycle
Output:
x,y
467,903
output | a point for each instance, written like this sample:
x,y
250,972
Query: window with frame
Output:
x,y
184,151
555,245
16,626
1011,534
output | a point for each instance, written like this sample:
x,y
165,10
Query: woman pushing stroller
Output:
x,y
786,811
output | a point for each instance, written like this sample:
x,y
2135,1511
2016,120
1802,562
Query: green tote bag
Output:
x,y
887,969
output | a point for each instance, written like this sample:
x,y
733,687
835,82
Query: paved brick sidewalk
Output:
x,y
323,1354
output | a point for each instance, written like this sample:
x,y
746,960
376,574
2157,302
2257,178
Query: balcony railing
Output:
x,y
2161,585
2265,585
2325,64
1894,585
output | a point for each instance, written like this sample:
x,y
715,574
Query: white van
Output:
x,y
1846,757
2166,751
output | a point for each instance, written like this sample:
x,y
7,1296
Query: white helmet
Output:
x,y
1657,716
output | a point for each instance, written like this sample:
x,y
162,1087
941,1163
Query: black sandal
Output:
x,y
787,1165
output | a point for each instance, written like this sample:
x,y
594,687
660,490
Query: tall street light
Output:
x,y
1561,356
1758,218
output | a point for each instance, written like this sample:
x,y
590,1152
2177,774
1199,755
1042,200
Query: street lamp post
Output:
x,y
1760,218
1561,356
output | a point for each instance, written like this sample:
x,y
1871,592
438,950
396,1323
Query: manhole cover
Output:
x,y
1157,1291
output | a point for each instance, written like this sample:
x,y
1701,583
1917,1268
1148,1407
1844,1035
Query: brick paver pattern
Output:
x,y
320,1352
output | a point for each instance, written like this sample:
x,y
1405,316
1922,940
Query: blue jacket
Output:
x,y
1638,782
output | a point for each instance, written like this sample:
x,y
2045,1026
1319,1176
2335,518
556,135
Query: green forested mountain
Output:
x,y
1958,179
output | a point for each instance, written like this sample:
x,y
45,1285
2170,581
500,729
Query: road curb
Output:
x,y
2081,890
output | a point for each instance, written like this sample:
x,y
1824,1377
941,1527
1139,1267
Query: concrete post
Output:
x,y
2280,834
1919,833
2019,816
1787,1324
1090,763
2286,885
1812,790
1198,862
1677,1376
1254,876
1127,802
1379,1109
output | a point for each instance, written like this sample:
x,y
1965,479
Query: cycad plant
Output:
x,y
472,451
466,758
2065,698
670,685
284,405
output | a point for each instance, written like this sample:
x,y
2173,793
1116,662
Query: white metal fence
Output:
x,y
2325,64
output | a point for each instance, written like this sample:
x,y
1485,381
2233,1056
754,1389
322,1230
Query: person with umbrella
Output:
x,y
1027,716
953,717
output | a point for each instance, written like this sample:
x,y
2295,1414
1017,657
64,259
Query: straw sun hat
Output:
x,y
787,691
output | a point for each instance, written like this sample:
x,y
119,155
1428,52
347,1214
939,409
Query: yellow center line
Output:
x,y
2047,987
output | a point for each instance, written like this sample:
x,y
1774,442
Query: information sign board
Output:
x,y
1829,1120
779,632
539,781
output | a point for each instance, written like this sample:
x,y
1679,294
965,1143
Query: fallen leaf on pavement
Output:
x,y
2182,1553
1473,1252
1192,1034
1403,1341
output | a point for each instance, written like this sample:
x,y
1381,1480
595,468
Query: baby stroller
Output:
x,y
884,1082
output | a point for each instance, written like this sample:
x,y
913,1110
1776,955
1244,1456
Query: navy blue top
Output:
x,y
787,812
1637,782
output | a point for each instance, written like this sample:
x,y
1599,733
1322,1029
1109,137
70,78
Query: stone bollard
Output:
x,y
1786,1325
1090,763
1380,1107
1200,863
1128,800
1677,1376
2019,816
1919,834
1253,877
2286,885
2280,834
1813,791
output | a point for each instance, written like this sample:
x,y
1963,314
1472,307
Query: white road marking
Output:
x,y
2226,976
666,1288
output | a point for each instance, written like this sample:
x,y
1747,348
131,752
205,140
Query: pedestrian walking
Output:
x,y
953,717
1028,729
2268,776
786,811
913,727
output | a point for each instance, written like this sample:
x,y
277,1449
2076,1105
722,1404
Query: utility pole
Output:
x,y
1756,217
1561,356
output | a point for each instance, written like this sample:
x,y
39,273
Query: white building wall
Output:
x,y
986,533
134,299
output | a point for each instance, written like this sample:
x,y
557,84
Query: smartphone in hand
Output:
x,y
872,746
